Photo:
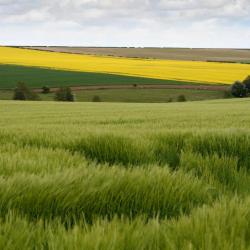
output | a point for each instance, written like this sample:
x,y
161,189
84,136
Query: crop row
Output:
x,y
225,225
161,149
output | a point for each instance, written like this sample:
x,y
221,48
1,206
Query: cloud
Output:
x,y
194,23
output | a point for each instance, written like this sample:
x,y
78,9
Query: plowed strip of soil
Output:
x,y
217,55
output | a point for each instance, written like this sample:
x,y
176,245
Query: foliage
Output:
x,y
45,90
133,95
238,89
181,98
96,98
22,92
246,82
64,95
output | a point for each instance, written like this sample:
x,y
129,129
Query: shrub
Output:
x,y
96,98
181,98
239,89
45,90
19,94
246,82
22,92
135,85
170,100
64,95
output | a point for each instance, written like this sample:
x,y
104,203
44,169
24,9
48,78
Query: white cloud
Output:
x,y
193,23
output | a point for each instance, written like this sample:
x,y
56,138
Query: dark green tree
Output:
x,y
45,90
64,95
22,92
246,82
239,89
96,98
181,98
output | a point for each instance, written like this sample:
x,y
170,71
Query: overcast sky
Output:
x,y
158,23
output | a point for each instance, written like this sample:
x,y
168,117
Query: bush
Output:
x,y
181,98
45,90
239,89
96,98
22,92
246,82
19,94
64,95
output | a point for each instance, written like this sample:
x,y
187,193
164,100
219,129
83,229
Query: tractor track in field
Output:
x,y
143,86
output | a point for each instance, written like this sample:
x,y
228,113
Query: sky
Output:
x,y
128,23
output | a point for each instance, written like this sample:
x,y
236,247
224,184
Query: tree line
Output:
x,y
23,92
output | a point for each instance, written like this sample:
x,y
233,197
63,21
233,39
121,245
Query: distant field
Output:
x,y
148,95
228,55
132,95
186,71
36,77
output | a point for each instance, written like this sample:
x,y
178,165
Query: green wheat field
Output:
x,y
125,176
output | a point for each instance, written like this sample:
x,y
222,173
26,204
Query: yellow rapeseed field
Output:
x,y
207,72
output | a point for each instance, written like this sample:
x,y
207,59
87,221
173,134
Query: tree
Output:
x,y
246,82
96,98
181,98
22,92
19,94
45,90
64,95
239,89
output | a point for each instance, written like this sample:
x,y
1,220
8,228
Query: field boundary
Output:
x,y
142,86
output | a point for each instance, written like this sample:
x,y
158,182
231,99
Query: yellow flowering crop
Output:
x,y
209,72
